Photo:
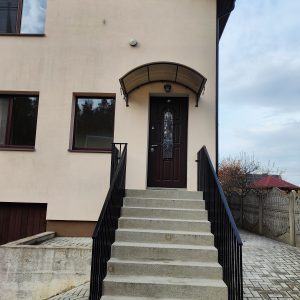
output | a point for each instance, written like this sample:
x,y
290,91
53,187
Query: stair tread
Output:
x,y
167,262
165,280
165,193
164,219
164,199
165,246
107,297
165,208
197,233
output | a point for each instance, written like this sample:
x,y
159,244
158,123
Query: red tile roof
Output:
x,y
272,181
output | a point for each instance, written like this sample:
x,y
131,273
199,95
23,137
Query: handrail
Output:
x,y
223,198
104,233
227,237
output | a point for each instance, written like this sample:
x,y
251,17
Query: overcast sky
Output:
x,y
260,84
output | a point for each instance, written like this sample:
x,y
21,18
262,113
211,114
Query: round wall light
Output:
x,y
133,42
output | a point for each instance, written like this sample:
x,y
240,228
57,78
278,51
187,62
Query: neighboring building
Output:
x,y
62,104
271,181
254,177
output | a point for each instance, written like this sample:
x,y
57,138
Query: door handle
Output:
x,y
152,148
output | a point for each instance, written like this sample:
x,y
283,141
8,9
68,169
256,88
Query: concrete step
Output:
x,y
164,287
165,224
152,251
166,213
137,298
208,270
161,202
165,236
164,250
165,193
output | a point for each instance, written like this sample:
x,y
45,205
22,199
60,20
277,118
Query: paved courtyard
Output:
x,y
80,292
271,271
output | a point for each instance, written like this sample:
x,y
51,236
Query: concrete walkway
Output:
x,y
271,271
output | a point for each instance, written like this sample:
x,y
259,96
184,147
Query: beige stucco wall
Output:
x,y
86,50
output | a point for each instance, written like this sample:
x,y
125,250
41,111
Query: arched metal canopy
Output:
x,y
162,72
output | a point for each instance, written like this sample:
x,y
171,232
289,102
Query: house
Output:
x,y
254,177
271,181
87,74
79,75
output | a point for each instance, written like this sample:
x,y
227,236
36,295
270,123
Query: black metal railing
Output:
x,y
227,237
104,233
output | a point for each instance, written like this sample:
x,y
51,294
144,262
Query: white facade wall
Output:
x,y
86,50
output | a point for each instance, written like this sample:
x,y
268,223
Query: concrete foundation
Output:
x,y
33,268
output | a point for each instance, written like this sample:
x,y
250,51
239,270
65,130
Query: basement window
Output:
x,y
94,123
18,118
22,16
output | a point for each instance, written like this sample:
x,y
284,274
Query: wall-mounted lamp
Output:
x,y
133,42
167,87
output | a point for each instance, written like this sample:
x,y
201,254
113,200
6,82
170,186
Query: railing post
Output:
x,y
261,200
292,199
114,160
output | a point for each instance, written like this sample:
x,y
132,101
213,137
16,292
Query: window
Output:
x,y
18,117
22,16
94,123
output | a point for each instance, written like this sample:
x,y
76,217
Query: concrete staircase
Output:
x,y
163,249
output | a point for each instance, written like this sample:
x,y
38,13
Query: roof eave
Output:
x,y
224,8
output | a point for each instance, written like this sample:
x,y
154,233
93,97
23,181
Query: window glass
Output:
x,y
94,123
3,119
24,117
22,16
18,118
33,16
8,16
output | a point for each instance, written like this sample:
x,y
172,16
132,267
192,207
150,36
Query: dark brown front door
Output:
x,y
167,153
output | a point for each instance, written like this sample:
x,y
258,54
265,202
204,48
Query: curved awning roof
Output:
x,y
163,72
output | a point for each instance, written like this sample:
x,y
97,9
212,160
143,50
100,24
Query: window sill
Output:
x,y
90,150
14,148
24,34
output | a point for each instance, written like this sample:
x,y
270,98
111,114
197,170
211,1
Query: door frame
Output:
x,y
176,96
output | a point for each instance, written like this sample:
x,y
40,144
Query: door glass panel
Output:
x,y
3,119
168,135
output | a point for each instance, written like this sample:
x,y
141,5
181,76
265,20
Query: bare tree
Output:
x,y
235,174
